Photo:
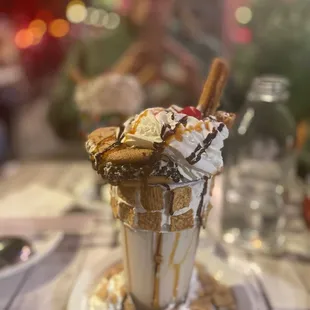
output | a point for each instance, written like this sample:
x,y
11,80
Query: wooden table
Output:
x,y
280,284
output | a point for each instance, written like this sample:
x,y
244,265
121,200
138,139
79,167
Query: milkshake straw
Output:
x,y
213,87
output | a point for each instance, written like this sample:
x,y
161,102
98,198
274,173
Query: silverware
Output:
x,y
14,250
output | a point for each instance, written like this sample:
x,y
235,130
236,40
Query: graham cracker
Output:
x,y
223,297
126,213
102,291
128,304
182,197
152,198
208,284
113,270
129,155
101,138
203,303
100,134
128,194
123,291
200,267
183,221
112,298
149,221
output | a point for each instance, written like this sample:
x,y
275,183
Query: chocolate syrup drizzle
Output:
x,y
170,171
204,191
167,133
97,155
195,156
120,133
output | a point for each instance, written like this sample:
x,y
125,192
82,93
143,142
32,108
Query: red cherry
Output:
x,y
192,111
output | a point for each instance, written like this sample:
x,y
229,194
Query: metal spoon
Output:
x,y
14,250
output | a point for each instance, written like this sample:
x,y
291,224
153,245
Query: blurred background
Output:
x,y
43,41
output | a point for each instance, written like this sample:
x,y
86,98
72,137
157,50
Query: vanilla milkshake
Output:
x,y
161,164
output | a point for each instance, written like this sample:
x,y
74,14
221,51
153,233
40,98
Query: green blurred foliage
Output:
x,y
280,45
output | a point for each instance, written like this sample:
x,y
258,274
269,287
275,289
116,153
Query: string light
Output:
x,y
113,21
96,17
24,38
59,28
38,29
76,12
243,15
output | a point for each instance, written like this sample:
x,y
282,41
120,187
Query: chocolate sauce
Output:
x,y
170,171
163,133
166,186
183,120
120,134
200,149
220,127
204,191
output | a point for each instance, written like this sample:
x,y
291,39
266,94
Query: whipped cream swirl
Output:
x,y
193,144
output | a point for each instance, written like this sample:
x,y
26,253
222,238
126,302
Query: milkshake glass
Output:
x,y
160,227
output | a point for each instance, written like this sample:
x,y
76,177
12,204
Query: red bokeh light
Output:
x,y
243,35
24,38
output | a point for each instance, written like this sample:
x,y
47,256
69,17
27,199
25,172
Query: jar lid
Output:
x,y
269,88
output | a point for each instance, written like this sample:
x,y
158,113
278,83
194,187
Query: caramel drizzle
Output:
x,y
168,134
127,258
175,266
137,122
157,260
176,280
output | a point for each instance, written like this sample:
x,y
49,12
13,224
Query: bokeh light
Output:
x,y
95,17
76,12
24,38
113,21
243,15
38,29
243,35
59,28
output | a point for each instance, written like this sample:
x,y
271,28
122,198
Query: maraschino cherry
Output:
x,y
192,111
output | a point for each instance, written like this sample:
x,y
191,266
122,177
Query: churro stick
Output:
x,y
212,90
